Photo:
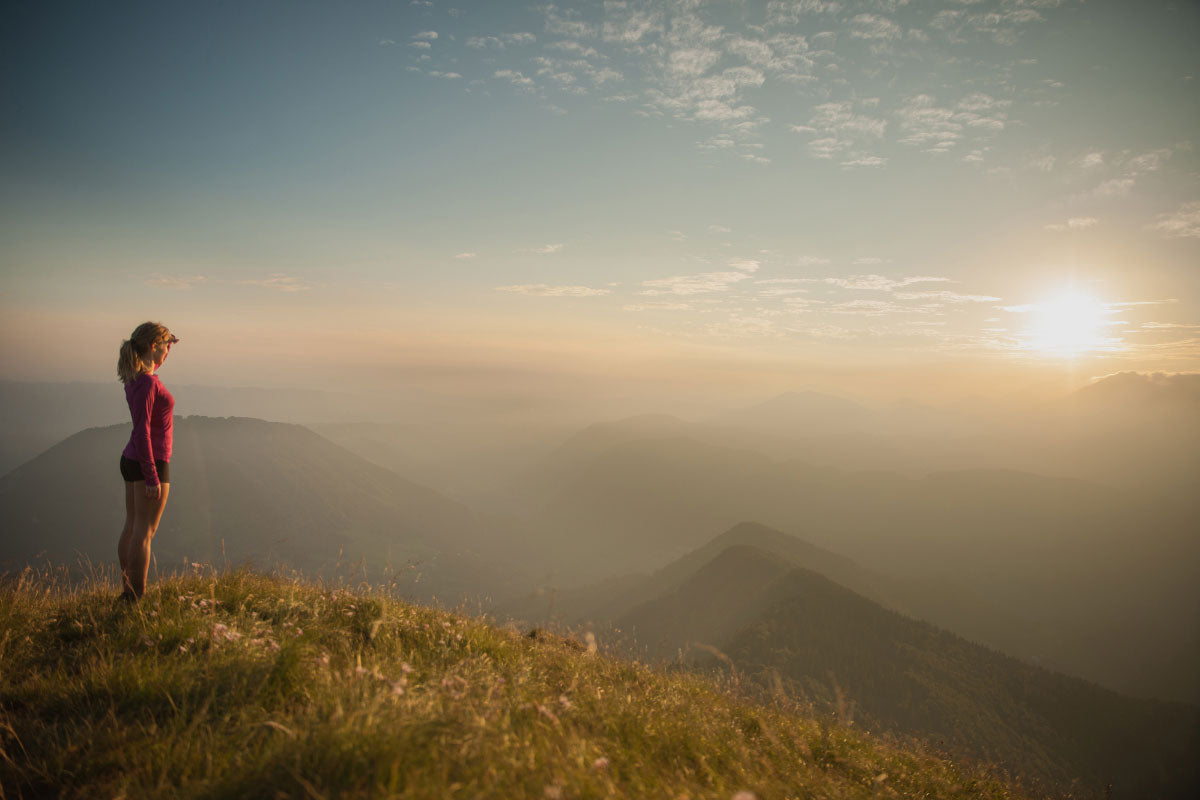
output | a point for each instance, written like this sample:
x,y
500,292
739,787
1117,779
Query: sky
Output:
x,y
878,197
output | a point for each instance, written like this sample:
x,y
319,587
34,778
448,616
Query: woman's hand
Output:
x,y
154,491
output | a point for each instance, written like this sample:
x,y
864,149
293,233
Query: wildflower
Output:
x,y
553,792
398,687
565,702
600,763
183,648
220,632
405,668
745,796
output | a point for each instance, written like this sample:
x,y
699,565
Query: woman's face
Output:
x,y
158,353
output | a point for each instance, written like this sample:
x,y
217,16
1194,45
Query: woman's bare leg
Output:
x,y
147,513
126,536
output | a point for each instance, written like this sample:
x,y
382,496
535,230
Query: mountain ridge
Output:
x,y
767,617
247,489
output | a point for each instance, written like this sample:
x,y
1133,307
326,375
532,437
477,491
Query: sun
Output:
x,y
1068,323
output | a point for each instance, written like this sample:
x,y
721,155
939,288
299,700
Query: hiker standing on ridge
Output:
x,y
145,463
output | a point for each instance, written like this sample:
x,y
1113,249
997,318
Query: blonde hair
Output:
x,y
135,351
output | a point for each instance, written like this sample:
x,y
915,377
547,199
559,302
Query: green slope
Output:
x,y
248,686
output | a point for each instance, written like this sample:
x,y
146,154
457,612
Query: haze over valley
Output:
x,y
845,352
675,538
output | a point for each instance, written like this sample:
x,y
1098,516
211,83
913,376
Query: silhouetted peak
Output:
x,y
1146,390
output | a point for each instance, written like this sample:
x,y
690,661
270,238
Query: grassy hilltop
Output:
x,y
243,685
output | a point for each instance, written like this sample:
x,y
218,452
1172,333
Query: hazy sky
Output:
x,y
882,195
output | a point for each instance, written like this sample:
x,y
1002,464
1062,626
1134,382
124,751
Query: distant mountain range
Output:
x,y
36,416
245,489
1056,569
639,525
784,625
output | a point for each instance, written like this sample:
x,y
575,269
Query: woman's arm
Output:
x,y
141,406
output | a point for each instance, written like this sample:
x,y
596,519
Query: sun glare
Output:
x,y
1069,323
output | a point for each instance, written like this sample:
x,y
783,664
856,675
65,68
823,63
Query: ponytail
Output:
x,y
129,366
133,359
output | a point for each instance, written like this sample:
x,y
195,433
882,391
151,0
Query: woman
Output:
x,y
146,461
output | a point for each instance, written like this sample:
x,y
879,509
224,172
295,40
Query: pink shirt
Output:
x,y
152,408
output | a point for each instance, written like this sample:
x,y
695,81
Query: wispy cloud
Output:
x,y
466,256
880,283
279,282
874,308
839,132
1124,168
694,284
1183,223
161,281
947,297
689,61
544,250
791,12
513,77
657,307
1074,224
629,24
874,27
545,290
1001,24
864,161
926,125
500,41
743,326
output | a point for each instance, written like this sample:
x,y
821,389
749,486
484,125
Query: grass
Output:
x,y
247,685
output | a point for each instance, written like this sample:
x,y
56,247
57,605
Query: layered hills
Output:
x,y
789,627
1054,568
249,490
1066,540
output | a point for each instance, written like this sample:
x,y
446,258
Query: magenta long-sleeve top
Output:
x,y
152,408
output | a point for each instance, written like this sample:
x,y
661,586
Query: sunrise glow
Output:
x,y
1069,323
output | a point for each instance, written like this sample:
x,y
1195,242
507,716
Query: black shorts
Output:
x,y
132,470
